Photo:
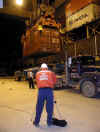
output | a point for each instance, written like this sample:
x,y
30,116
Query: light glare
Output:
x,y
19,2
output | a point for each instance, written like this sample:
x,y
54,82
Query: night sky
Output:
x,y
11,29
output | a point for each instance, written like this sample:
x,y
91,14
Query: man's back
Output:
x,y
45,78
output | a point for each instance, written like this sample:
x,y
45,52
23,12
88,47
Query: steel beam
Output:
x,y
16,12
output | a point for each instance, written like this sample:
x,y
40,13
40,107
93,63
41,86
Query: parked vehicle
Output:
x,y
60,74
84,73
80,65
19,75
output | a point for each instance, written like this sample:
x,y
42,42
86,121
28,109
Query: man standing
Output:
x,y
45,80
30,79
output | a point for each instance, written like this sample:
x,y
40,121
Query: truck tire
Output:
x,y
88,88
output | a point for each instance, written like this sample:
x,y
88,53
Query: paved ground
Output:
x,y
17,107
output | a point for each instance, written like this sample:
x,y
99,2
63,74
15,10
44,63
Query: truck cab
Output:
x,y
81,65
84,74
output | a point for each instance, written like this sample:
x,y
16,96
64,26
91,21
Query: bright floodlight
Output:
x,y
19,2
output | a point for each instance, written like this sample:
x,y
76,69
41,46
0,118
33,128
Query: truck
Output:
x,y
83,73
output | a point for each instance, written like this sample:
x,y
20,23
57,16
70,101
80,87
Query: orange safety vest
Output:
x,y
45,78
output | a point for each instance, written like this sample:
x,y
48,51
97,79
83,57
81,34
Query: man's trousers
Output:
x,y
45,95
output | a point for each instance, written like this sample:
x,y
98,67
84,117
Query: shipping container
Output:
x,y
76,5
88,14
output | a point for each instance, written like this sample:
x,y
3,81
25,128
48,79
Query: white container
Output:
x,y
86,15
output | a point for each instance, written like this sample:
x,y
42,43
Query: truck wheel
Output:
x,y
88,88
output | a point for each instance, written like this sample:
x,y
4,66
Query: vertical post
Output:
x,y
87,32
66,61
34,8
95,44
66,69
75,48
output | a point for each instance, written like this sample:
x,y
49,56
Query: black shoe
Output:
x,y
36,125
